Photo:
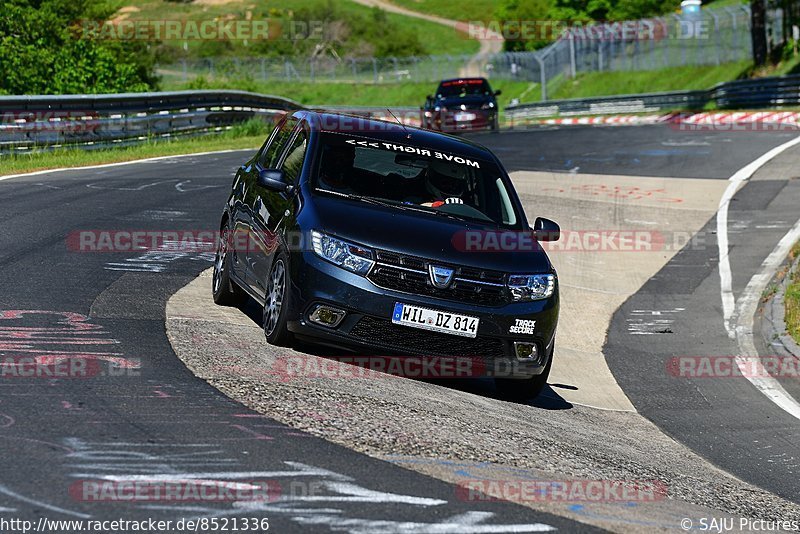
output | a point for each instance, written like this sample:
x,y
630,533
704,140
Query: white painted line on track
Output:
x,y
120,163
725,276
746,310
738,315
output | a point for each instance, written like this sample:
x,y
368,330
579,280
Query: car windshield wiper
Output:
x,y
409,207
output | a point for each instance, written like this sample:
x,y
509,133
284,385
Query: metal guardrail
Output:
x,y
91,121
758,93
408,115
95,121
740,94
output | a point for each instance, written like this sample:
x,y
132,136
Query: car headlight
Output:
x,y
489,105
526,287
346,255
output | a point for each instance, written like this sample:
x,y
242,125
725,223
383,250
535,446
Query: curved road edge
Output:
x,y
456,433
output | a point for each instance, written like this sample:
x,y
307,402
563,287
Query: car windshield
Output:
x,y
463,88
411,177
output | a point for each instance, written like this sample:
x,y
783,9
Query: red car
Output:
x,y
461,104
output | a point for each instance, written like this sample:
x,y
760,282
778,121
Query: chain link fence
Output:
x,y
712,37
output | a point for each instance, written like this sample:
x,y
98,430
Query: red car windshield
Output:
x,y
463,88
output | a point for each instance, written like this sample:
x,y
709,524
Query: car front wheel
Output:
x,y
276,303
522,389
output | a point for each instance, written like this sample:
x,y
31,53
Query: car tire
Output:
x,y
521,389
225,291
276,302
495,127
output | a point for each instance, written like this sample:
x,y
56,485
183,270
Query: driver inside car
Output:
x,y
445,184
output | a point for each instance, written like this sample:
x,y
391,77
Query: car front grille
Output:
x,y
426,343
409,274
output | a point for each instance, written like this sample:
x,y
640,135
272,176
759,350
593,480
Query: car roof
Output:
x,y
359,126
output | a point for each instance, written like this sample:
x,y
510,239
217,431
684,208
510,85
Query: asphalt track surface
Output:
x,y
159,419
726,421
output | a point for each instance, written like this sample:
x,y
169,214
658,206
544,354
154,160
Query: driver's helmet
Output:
x,y
446,180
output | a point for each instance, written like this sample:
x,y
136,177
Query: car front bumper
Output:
x,y
446,121
367,327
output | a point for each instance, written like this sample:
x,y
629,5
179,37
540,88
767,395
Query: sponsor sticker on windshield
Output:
x,y
414,150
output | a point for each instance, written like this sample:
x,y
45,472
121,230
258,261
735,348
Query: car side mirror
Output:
x,y
498,92
546,230
273,179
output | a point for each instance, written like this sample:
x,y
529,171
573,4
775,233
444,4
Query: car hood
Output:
x,y
428,236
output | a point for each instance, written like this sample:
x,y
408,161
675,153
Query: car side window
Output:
x,y
269,158
295,155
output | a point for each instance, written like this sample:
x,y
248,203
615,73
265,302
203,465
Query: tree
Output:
x,y
43,51
758,23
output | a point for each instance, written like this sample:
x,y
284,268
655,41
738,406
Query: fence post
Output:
x,y
542,76
572,54
734,33
718,43
600,48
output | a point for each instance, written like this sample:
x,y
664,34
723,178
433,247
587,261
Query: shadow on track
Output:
x,y
548,399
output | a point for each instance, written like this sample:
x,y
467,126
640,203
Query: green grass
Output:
x,y
791,299
466,10
716,4
359,94
250,134
436,38
672,79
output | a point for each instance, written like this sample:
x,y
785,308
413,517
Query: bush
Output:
x,y
43,51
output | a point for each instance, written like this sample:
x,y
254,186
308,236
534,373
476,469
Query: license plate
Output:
x,y
465,116
437,321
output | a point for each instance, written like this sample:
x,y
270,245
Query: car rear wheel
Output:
x,y
524,388
224,289
276,303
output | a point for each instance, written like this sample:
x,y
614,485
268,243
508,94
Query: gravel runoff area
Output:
x,y
458,429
